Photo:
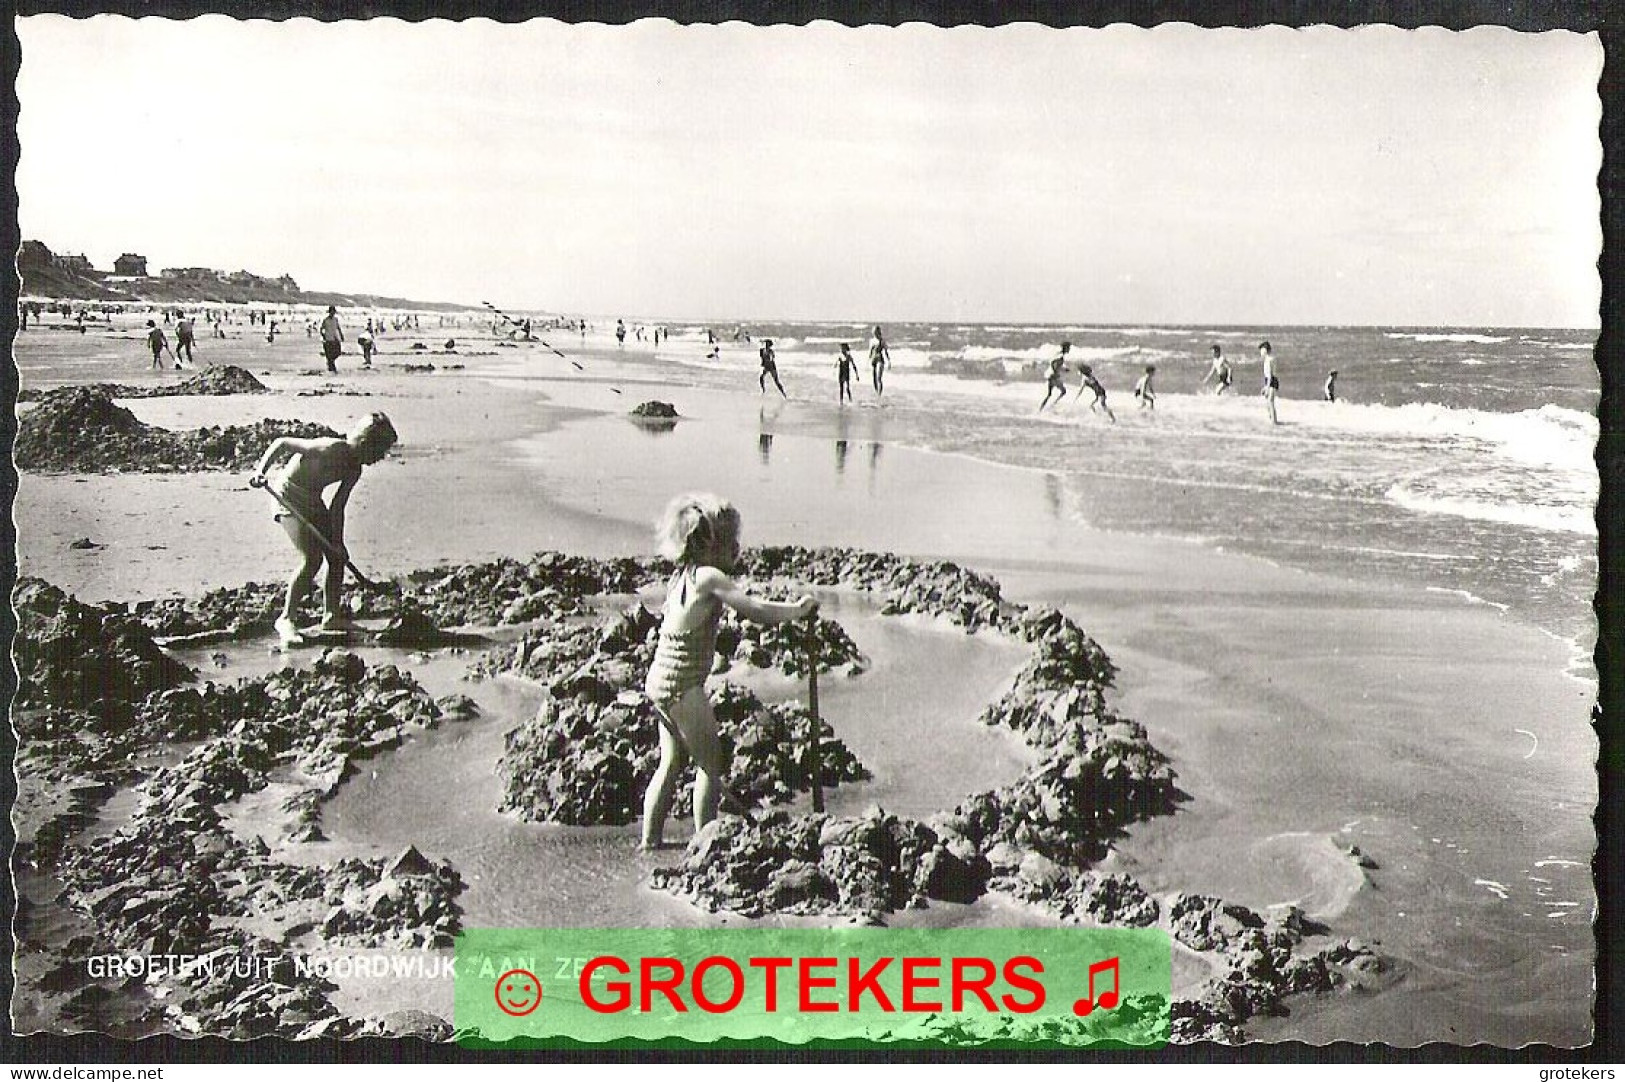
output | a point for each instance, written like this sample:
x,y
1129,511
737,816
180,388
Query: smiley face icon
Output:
x,y
518,992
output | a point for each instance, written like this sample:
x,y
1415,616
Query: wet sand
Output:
x,y
1303,714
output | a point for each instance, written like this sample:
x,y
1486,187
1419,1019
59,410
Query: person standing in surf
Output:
x,y
1057,378
1331,386
1272,383
1144,391
879,358
1219,371
770,368
700,533
1090,383
845,365
157,342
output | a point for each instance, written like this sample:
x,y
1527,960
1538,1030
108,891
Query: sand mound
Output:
x,y
217,379
944,589
99,659
81,429
588,756
658,411
176,879
214,380
868,865
507,591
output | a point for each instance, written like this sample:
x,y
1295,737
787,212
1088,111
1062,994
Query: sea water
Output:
x,y
1454,459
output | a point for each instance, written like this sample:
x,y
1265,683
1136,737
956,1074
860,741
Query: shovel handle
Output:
x,y
814,751
258,481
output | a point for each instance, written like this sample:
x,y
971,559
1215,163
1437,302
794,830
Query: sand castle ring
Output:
x,y
163,878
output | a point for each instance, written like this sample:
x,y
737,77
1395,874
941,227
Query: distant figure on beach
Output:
x,y
879,358
22,315
845,365
710,337
620,333
1090,383
364,340
303,470
332,338
183,339
1218,371
701,534
770,367
157,341
1144,391
1057,378
1272,384
1331,386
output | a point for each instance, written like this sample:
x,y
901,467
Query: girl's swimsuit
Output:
x,y
683,658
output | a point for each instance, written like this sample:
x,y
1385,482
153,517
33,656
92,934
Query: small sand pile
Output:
x,y
217,379
655,411
587,756
789,647
508,591
864,866
82,430
178,879
970,600
99,659
231,611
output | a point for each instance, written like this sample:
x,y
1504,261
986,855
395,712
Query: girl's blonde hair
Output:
x,y
699,529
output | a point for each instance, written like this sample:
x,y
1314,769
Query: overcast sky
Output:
x,y
1173,175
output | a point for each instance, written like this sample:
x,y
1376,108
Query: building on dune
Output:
x,y
192,274
130,265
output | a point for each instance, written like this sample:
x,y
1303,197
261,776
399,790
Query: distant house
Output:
x,y
75,264
288,284
130,265
34,256
191,274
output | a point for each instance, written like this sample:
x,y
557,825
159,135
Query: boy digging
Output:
x,y
304,469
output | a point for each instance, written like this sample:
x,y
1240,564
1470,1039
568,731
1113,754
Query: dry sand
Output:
x,y
1303,714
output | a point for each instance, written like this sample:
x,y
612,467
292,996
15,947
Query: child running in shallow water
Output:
x,y
701,533
1090,383
299,471
1144,391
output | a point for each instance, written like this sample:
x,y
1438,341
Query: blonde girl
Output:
x,y
701,533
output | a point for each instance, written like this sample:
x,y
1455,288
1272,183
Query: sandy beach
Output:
x,y
1309,719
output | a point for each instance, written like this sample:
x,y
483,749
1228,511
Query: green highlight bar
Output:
x,y
851,987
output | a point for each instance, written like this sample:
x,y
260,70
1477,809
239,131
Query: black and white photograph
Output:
x,y
559,475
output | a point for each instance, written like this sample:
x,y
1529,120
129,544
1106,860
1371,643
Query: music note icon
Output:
x,y
1107,1000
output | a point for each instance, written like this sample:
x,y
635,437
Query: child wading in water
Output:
x,y
701,533
304,469
1090,383
1057,378
1144,391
